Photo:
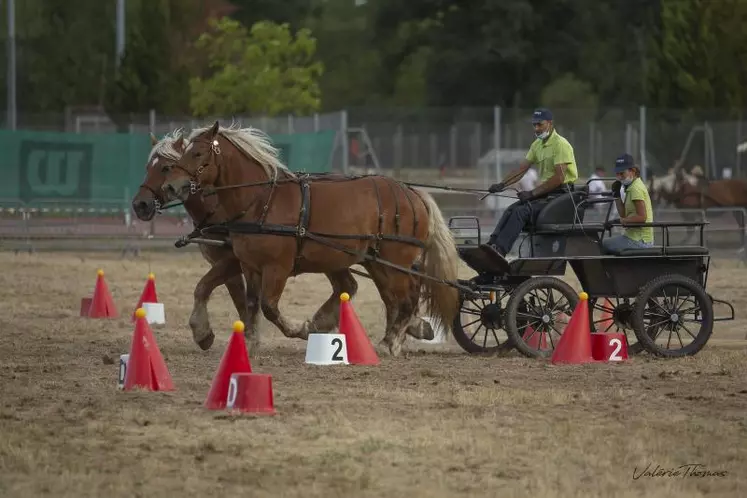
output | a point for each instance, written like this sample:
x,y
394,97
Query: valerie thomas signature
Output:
x,y
687,470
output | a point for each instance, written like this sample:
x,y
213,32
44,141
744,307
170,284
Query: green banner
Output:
x,y
100,168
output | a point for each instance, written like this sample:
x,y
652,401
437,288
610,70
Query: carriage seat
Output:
x,y
561,213
657,251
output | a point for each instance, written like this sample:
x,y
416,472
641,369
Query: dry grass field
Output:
x,y
434,422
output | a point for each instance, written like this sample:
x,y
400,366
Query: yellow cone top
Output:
x,y
238,326
140,313
100,273
344,296
583,296
151,276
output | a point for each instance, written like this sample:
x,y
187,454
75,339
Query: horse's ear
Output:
x,y
153,139
179,144
214,129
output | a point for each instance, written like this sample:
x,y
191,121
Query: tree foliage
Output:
x,y
265,70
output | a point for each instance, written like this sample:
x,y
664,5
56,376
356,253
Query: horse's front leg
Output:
x,y
222,271
273,281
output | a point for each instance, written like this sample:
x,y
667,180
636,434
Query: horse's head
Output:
x,y
197,167
662,188
217,156
163,156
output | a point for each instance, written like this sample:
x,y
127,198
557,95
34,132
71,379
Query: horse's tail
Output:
x,y
441,261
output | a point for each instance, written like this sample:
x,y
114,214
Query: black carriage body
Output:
x,y
625,276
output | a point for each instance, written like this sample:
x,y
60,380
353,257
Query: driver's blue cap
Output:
x,y
624,162
540,115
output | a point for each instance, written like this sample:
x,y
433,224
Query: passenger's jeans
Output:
x,y
619,242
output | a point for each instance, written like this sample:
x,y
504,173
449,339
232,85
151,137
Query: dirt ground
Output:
x,y
435,422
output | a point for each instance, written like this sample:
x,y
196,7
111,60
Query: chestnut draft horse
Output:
x,y
226,269
283,224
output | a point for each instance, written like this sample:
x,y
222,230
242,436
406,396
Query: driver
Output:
x,y
554,157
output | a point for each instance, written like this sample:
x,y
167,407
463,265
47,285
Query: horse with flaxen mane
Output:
x,y
283,224
225,268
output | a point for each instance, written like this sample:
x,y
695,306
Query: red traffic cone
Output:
x,y
574,345
146,368
360,349
251,393
535,339
102,305
149,293
234,360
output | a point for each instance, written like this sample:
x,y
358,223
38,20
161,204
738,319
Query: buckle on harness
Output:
x,y
192,187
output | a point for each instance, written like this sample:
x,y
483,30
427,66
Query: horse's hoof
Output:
x,y
207,342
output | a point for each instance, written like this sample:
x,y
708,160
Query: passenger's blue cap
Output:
x,y
541,114
624,162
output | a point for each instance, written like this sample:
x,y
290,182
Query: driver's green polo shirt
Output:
x,y
556,150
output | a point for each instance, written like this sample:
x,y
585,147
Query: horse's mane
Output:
x,y
165,146
252,142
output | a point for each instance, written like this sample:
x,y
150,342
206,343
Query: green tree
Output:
x,y
265,71
700,57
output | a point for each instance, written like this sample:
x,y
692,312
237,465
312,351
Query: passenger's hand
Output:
x,y
524,196
496,187
616,189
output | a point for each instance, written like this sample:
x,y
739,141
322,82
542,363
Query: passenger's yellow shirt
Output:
x,y
637,191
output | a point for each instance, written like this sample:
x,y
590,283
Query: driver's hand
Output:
x,y
616,189
496,187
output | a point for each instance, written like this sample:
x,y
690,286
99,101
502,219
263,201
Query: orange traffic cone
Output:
x,y
360,348
535,339
102,305
234,360
146,368
574,345
149,293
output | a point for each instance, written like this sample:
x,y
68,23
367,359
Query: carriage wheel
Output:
x,y
478,328
614,316
537,313
675,311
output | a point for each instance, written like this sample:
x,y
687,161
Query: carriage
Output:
x,y
655,296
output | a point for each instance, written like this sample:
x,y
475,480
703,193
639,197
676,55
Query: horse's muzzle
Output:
x,y
144,210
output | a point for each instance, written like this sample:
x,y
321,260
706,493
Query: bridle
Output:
x,y
194,178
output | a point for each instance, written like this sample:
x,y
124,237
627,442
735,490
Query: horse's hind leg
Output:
x,y
327,317
396,289
199,320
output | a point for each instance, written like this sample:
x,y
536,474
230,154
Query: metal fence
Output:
x,y
460,142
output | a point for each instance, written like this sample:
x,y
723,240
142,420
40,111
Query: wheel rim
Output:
x,y
482,320
673,317
542,316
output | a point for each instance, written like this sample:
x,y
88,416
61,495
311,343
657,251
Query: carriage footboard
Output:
x,y
720,301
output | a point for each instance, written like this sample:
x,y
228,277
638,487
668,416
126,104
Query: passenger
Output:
x,y
635,209
556,163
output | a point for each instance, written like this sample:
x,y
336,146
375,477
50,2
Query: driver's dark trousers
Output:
x,y
516,217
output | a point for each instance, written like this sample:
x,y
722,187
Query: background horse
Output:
x,y
226,269
283,224
686,191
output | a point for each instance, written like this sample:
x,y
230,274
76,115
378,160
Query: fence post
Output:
x,y
152,121
344,139
642,141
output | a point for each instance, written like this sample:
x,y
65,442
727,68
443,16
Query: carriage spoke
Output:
x,y
472,339
473,321
688,331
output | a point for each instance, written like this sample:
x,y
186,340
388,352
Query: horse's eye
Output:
x,y
165,168
196,153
